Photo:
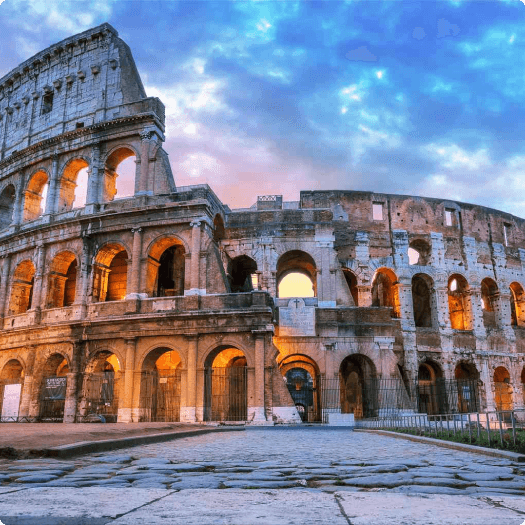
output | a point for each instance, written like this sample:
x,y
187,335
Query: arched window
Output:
x,y
62,281
459,303
22,288
351,281
489,291
467,377
358,386
166,268
119,174
7,202
422,300
385,292
218,228
73,185
419,252
110,274
432,398
296,275
502,389
241,274
517,304
35,196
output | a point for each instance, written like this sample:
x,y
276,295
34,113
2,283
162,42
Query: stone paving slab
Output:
x,y
430,509
246,507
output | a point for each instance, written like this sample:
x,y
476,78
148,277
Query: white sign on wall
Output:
x,y
11,400
297,319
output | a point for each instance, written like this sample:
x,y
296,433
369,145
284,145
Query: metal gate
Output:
x,y
305,397
444,396
160,392
101,395
53,399
225,394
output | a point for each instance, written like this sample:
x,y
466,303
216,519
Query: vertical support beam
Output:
x,y
259,416
4,282
27,388
406,306
39,278
19,200
125,410
188,413
473,310
82,295
364,295
141,185
443,314
136,261
195,260
71,402
51,204
94,190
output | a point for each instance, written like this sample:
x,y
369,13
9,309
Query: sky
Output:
x,y
273,97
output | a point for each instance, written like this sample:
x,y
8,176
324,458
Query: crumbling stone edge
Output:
x,y
513,456
89,447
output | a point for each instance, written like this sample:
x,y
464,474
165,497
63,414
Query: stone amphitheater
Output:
x,y
124,297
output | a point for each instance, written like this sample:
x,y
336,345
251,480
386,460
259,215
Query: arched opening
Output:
x,y
225,385
517,304
351,282
459,303
422,300
166,268
73,185
502,389
358,386
218,228
432,397
242,274
301,375
35,196
11,380
119,174
22,288
101,388
62,281
419,252
489,293
53,388
385,292
296,275
467,377
110,274
7,203
160,386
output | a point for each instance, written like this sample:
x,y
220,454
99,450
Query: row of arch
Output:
x,y
72,187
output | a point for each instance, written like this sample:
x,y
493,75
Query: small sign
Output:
x,y
55,388
297,319
163,380
11,400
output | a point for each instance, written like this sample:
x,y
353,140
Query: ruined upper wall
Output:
x,y
82,80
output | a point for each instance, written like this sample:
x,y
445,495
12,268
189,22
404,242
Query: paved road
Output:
x,y
293,476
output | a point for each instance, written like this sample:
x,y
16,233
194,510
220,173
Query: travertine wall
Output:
x,y
119,285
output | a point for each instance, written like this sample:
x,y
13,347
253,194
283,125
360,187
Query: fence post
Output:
x,y
513,428
500,416
479,431
469,429
488,427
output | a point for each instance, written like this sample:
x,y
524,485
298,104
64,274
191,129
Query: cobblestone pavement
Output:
x,y
321,459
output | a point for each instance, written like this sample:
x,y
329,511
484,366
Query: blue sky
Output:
x,y
273,97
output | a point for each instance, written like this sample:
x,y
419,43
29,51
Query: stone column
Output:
x,y
4,286
51,204
443,314
364,296
473,303
324,242
73,377
19,200
39,278
259,416
27,388
406,307
125,410
195,260
82,297
486,377
141,185
136,261
94,189
501,304
188,413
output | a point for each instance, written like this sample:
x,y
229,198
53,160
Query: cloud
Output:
x,y
361,54
453,157
445,28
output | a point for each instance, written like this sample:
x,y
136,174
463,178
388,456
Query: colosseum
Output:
x,y
152,302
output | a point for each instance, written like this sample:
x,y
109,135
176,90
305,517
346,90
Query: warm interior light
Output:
x,y
296,284
413,256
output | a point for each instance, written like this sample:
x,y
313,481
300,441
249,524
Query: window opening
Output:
x,y
47,103
448,217
377,211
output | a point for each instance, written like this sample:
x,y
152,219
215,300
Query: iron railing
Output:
x,y
160,395
490,428
225,394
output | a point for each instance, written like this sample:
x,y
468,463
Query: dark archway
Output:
x,y
351,282
358,386
432,397
160,386
7,203
422,300
385,292
53,388
241,273
226,385
467,379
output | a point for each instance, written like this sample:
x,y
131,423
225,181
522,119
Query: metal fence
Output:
x,y
101,396
503,427
160,395
225,394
